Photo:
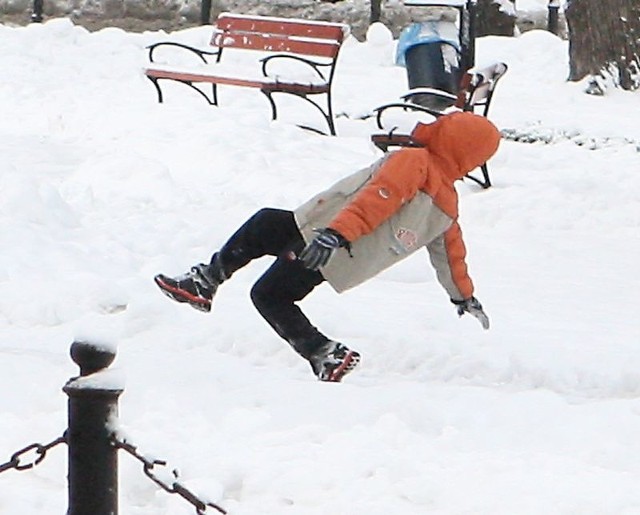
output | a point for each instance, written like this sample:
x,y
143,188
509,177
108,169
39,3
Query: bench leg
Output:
x,y
202,93
486,182
382,146
211,101
154,80
485,174
274,109
214,93
327,115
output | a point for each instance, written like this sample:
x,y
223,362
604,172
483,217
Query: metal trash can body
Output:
x,y
433,65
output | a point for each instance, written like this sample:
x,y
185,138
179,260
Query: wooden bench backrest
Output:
x,y
279,35
477,86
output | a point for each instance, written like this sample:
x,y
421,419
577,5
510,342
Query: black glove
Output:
x,y
319,251
473,307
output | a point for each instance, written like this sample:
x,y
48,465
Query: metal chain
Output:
x,y
39,451
173,487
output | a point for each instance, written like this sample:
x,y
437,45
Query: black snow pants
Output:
x,y
274,232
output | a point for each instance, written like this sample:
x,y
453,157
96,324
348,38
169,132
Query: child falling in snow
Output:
x,y
349,233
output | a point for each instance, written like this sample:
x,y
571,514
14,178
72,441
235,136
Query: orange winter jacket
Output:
x,y
404,201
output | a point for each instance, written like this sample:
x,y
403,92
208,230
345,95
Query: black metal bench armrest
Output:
x,y
313,64
428,91
406,107
199,52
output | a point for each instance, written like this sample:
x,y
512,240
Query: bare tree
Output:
x,y
604,40
495,17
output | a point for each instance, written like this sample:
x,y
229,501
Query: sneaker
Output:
x,y
333,361
197,287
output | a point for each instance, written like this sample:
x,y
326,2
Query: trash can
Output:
x,y
431,54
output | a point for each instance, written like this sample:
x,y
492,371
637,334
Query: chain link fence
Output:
x,y
31,455
93,445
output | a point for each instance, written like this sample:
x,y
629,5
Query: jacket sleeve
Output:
x,y
447,254
396,182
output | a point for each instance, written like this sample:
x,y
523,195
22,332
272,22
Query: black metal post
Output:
x,y
205,12
37,11
472,14
376,11
552,19
93,460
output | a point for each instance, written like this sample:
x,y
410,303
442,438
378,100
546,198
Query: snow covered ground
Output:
x,y
101,188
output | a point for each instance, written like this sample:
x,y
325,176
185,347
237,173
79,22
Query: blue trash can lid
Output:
x,y
423,33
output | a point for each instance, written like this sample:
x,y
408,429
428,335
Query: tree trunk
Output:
x,y
604,39
493,19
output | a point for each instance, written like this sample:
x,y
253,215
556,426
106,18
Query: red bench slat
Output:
x,y
273,43
267,25
266,84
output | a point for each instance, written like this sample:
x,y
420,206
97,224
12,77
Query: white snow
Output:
x,y
101,188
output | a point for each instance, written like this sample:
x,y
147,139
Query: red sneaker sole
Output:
x,y
182,295
351,361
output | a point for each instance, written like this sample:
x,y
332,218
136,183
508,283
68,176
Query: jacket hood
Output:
x,y
463,141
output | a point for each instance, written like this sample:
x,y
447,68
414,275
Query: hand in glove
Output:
x,y
473,307
319,251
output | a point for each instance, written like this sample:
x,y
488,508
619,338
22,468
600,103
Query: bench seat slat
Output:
x,y
269,83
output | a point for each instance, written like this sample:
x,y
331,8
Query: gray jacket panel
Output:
x,y
416,224
439,260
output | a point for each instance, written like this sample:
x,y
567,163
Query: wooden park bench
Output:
x,y
297,57
475,93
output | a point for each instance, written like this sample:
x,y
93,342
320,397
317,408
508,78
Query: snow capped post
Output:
x,y
93,462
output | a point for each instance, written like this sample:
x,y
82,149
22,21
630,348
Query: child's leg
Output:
x,y
275,296
269,232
